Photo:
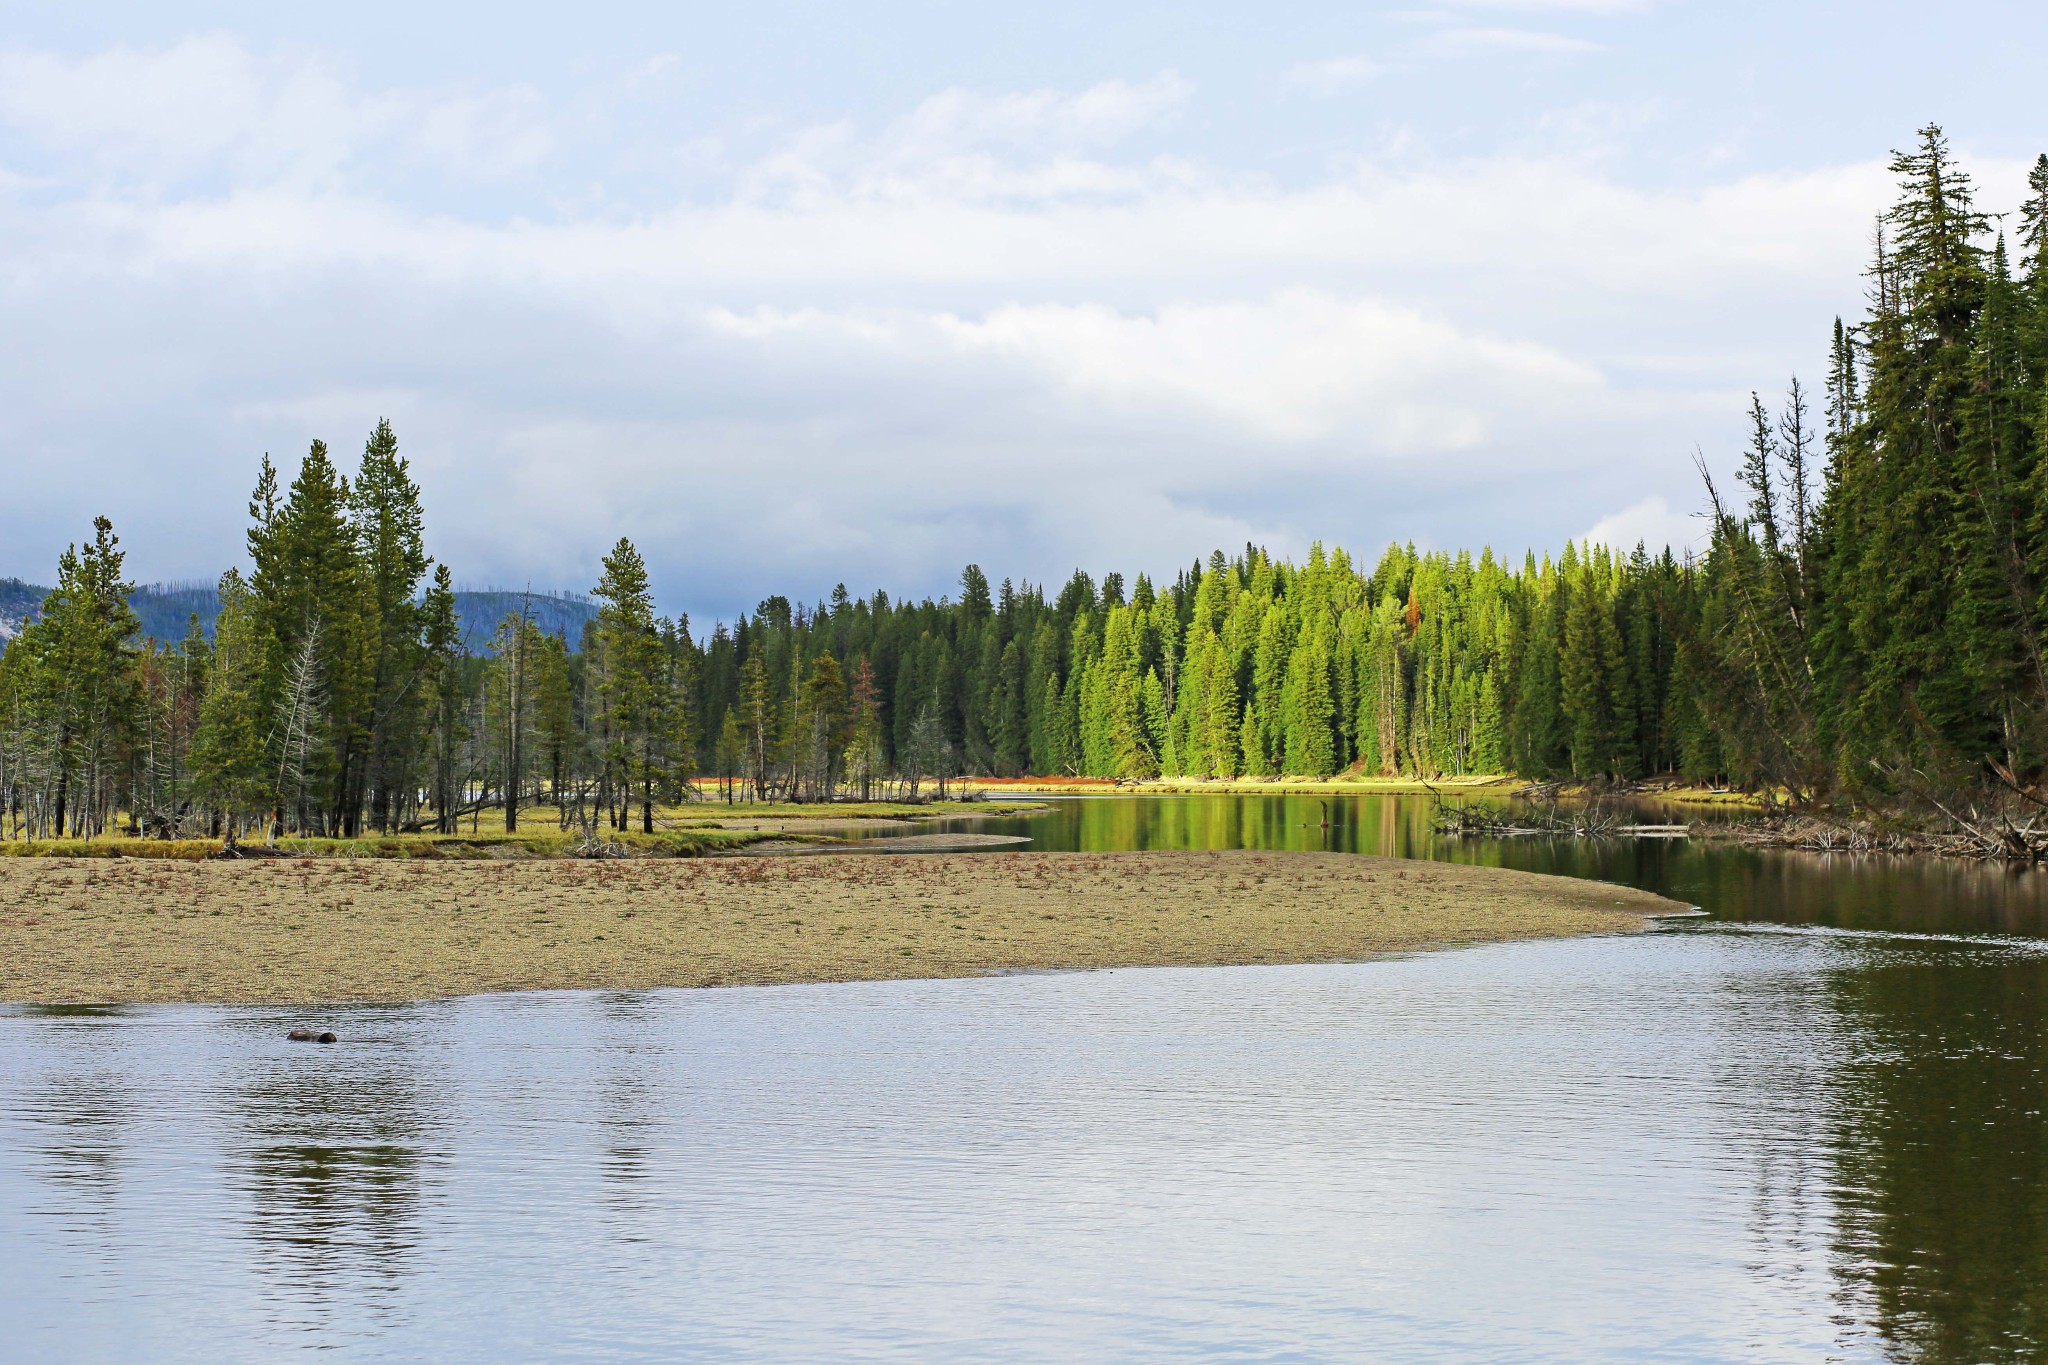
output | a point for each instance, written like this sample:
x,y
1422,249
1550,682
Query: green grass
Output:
x,y
710,811
690,831
1340,784
676,843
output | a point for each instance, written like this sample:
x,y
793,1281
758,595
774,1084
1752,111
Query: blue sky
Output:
x,y
796,294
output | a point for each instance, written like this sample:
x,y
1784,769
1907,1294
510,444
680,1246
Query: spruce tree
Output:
x,y
228,748
629,649
384,506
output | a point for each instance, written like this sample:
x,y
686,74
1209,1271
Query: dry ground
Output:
x,y
314,930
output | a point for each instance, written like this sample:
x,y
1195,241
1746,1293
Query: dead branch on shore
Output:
x,y
1996,838
1597,818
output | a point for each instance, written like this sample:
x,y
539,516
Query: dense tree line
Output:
x,y
335,696
1866,623
1242,667
1874,608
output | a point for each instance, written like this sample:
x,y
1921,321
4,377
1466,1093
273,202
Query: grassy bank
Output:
x,y
720,813
485,845
1473,785
1242,786
309,930
682,832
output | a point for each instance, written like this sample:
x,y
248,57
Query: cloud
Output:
x,y
1653,524
1333,75
1035,144
1102,113
1575,7
209,107
860,349
1465,41
1300,367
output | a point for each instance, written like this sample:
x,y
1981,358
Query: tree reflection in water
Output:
x,y
1809,1139
628,1104
334,1159
78,1109
1941,1150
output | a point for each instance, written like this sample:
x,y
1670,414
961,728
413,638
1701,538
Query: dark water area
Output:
x,y
1811,1125
1730,881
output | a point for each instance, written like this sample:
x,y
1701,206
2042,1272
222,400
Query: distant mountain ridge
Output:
x,y
166,610
555,613
19,603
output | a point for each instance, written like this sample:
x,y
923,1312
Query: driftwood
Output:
x,y
1955,828
1595,818
234,848
1996,838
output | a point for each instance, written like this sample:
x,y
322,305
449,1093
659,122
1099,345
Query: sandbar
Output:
x,y
320,930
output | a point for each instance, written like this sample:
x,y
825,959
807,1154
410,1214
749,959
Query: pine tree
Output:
x,y
823,719
385,509
307,586
756,712
510,704
81,680
1489,731
865,753
229,748
1916,706
629,649
1592,686
443,685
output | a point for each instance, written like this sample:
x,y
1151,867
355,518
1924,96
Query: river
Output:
x,y
1808,1126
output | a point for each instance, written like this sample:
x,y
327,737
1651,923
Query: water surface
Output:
x,y
1809,1128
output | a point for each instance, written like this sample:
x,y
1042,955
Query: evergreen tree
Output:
x,y
228,747
628,648
443,686
78,682
385,509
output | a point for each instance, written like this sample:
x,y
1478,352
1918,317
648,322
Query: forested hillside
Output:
x,y
1864,626
19,602
164,611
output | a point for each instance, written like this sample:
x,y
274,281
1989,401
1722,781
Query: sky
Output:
x,y
796,294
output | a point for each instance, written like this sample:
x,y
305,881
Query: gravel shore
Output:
x,y
306,930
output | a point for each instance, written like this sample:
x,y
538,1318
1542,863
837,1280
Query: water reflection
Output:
x,y
628,1104
1729,1140
74,1108
330,1159
1872,891
1941,1149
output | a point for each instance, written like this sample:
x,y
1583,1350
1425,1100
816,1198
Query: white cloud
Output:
x,y
490,136
1463,41
1300,367
1504,236
874,347
1333,75
963,143
1586,7
958,119
1651,523
209,106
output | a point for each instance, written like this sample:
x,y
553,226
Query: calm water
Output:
x,y
1812,1127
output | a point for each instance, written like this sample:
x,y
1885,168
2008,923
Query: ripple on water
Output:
x,y
1695,1144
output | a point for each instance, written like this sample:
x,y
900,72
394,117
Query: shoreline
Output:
x,y
702,830
714,828
308,931
1483,784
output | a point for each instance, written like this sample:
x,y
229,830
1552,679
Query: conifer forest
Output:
x,y
1863,627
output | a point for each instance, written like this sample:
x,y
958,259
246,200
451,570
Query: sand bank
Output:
x,y
329,930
